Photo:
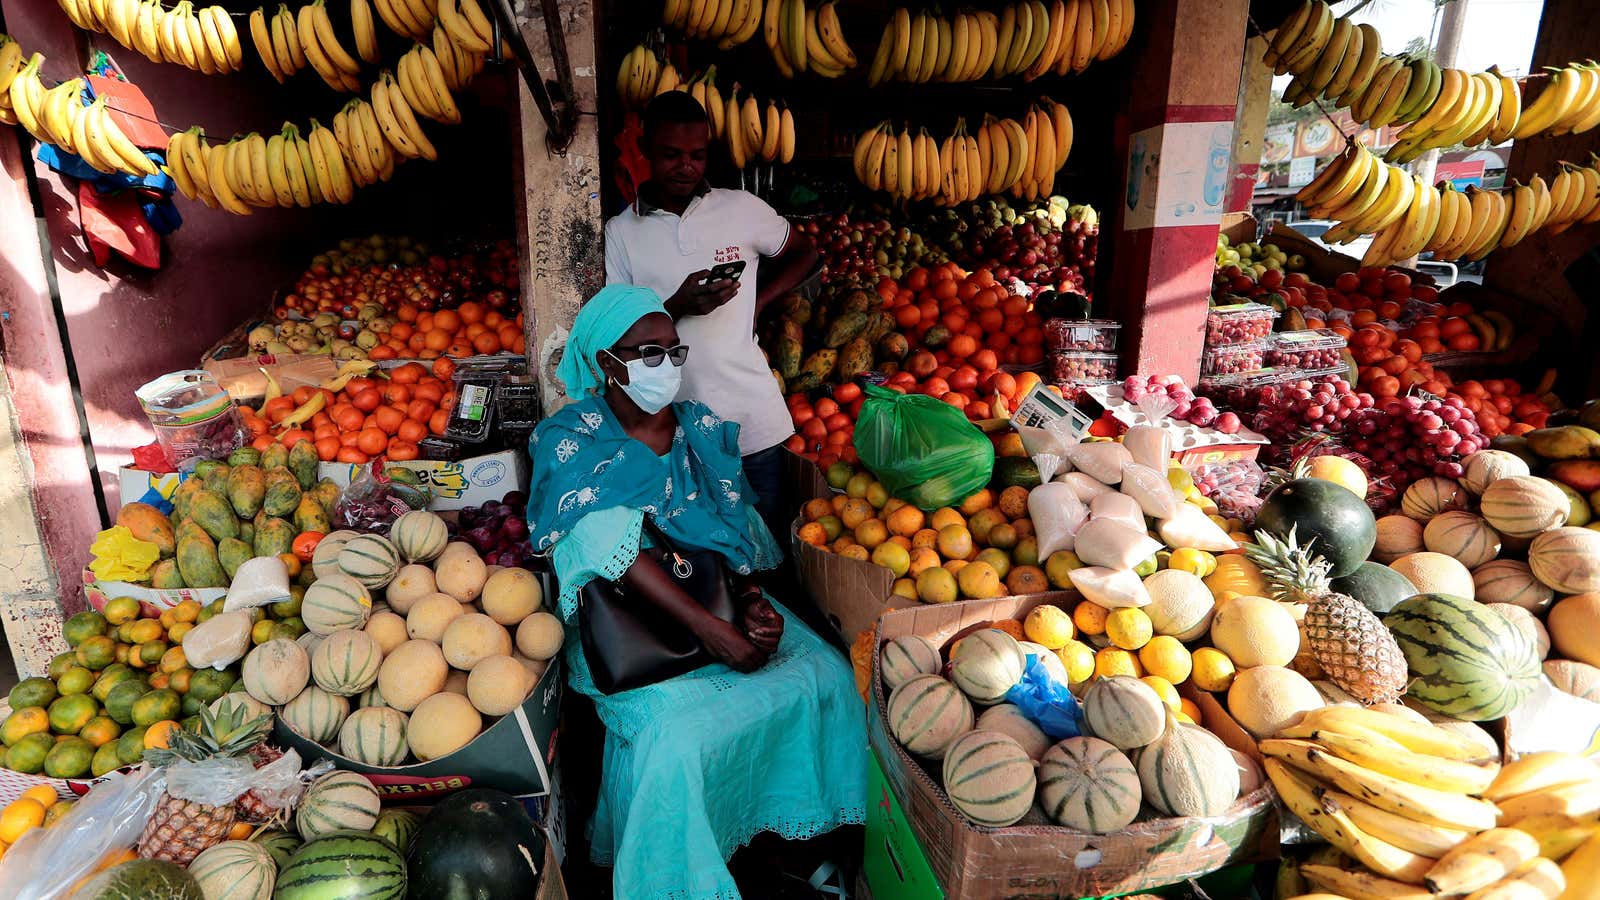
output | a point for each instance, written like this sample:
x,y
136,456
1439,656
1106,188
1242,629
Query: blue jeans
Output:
x,y
764,470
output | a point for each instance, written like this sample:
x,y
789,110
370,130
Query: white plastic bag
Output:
x,y
1047,447
1086,487
1112,505
258,582
1190,527
1151,489
1110,588
1149,442
46,862
1056,513
220,641
1102,459
1114,544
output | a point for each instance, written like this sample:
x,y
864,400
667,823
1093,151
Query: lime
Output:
x,y
83,626
105,760
288,629
114,674
262,632
23,722
191,704
119,703
60,663
157,705
70,758
69,714
27,755
121,609
33,692
97,652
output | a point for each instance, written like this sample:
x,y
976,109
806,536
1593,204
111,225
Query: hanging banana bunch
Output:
x,y
728,22
643,75
804,39
204,40
1002,155
754,136
10,65
704,90
58,116
1030,39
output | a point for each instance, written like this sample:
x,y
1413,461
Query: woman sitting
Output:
x,y
770,736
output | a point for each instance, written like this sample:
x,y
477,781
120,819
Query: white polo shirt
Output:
x,y
726,369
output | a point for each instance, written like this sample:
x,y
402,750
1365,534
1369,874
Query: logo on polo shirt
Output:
x,y
728,255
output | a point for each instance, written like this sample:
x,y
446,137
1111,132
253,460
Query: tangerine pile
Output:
x,y
369,417
963,316
471,329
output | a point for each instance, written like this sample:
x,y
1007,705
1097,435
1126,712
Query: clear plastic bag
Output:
x,y
922,449
1046,702
378,496
46,862
1149,442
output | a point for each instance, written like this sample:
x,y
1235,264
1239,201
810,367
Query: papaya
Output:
x,y
198,563
310,516
205,467
244,456
148,524
854,358
165,576
214,513
783,386
857,301
282,498
791,329
893,346
216,480
936,337
845,328
786,357
188,528
247,533
820,363
231,553
327,493
247,485
795,308
303,463
180,498
274,456
274,536
880,324
277,474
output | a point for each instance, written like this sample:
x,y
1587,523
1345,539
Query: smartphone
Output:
x,y
726,271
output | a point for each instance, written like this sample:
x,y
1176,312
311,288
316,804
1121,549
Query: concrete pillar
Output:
x,y
1249,125
1175,140
559,226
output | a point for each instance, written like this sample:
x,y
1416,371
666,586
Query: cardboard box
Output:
x,y
893,863
850,592
151,600
1046,861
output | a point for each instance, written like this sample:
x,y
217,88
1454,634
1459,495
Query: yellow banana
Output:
x,y
1288,33
770,132
1361,74
833,35
879,69
398,137
277,174
1407,834
795,19
293,171
1551,106
329,163
221,188
891,166
1359,884
328,41
1383,791
1318,31
408,121
1429,771
427,65
1481,860
175,165
1579,800
1323,815
1522,214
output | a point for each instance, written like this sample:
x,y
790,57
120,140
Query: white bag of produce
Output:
x,y
258,582
1048,450
1151,488
1114,544
1057,513
1112,505
1110,588
1102,459
1085,487
222,640
1189,526
1148,442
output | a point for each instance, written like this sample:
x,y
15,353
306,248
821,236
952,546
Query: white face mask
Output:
x,y
651,388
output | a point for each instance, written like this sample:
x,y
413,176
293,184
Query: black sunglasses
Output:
x,y
653,354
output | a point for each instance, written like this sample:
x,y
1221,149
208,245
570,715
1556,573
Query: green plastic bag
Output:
x,y
922,449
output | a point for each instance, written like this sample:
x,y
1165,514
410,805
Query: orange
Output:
x,y
870,533
1090,617
979,501
906,520
946,516
925,537
371,442
437,339
816,509
388,419
447,320
855,512
470,311
43,794
21,816
159,734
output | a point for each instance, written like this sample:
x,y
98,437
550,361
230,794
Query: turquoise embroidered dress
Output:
x,y
697,765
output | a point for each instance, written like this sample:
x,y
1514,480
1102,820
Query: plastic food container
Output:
x,y
1079,367
1099,335
1241,391
192,416
1240,323
1316,349
1234,359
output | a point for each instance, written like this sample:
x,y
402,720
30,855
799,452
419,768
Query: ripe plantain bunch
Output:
x,y
1003,155
203,39
58,116
1028,39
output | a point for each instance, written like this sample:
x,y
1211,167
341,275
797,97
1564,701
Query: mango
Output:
x,y
854,358
893,346
1580,474
165,576
148,524
244,456
197,561
310,516
1564,442
247,486
303,463
211,511
232,553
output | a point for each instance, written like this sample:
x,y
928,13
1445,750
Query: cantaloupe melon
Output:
x,y
419,535
1576,678
536,667
989,778
1123,711
234,870
1180,604
1087,784
497,685
1255,631
511,595
1047,658
431,615
388,629
1428,497
411,673
335,802
469,639
540,636
370,559
335,602
1397,537
372,696
325,558
1188,771
461,575
315,714
1268,699
253,708
375,736
346,663
1485,467
1462,535
906,657
1524,506
1511,581
441,725
275,672
1567,559
1574,624
1009,721
1435,573
926,713
1527,623
986,664
410,584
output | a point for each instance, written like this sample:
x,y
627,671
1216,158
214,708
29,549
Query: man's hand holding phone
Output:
x,y
704,291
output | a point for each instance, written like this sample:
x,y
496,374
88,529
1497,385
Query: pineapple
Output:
x,y
178,830
252,808
1348,642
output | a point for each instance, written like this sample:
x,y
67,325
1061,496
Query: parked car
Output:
x,y
1316,228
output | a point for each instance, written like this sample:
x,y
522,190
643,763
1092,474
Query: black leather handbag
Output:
x,y
629,642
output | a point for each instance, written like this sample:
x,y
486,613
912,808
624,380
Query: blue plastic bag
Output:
x,y
1046,702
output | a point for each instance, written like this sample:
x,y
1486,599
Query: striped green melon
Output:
x,y
275,672
1567,559
334,801
375,736
989,778
1087,784
344,864
1465,661
1485,467
419,535
346,663
325,559
1462,535
987,664
235,870
335,602
370,559
279,843
1510,581
1428,497
906,657
315,714
1524,505
927,713
1188,771
1123,711
253,708
397,827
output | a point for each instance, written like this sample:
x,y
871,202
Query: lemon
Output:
x,y
1213,670
19,817
1078,658
1048,626
1166,657
1090,617
1112,661
1129,628
1198,562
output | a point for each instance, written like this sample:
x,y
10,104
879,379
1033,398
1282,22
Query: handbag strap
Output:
x,y
680,566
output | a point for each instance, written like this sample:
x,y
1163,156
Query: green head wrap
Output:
x,y
602,322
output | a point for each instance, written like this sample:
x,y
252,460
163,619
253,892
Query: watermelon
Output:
x,y
1337,523
476,843
1467,661
398,827
281,844
235,870
141,879
348,865
1375,586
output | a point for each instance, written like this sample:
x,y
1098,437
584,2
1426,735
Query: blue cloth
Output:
x,y
606,317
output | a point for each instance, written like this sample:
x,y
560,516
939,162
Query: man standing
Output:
x,y
671,238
